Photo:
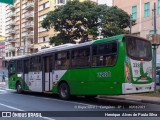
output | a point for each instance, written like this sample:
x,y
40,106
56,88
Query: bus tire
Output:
x,y
19,88
64,91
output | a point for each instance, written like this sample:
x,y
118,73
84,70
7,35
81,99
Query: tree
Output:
x,y
73,21
80,20
115,20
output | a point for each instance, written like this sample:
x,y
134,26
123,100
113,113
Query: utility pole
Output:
x,y
154,46
130,26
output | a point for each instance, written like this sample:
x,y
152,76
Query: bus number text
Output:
x,y
104,74
136,64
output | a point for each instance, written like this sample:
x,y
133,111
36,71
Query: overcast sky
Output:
x,y
108,2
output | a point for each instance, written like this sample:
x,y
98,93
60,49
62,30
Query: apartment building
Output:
x,y
24,33
142,12
2,19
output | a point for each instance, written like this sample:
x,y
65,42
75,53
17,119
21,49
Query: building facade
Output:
x,y
2,52
2,19
24,33
142,12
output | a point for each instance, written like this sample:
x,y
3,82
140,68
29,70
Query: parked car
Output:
x,y
158,77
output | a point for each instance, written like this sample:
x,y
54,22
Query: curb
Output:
x,y
150,101
132,99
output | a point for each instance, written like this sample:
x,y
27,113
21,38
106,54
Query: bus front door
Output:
x,y
26,74
47,73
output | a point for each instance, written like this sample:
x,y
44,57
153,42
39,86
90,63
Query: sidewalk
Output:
x,y
2,84
136,98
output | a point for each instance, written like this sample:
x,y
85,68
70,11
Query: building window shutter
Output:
x,y
147,9
158,6
134,12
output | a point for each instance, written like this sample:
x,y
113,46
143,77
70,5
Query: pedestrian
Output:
x,y
3,77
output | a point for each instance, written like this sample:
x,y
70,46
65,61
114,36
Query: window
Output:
x,y
61,1
134,12
158,6
62,60
13,53
41,29
44,5
80,57
105,54
43,39
151,32
42,17
35,63
146,9
19,66
26,66
12,67
138,49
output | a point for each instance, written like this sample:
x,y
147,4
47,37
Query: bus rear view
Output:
x,y
138,66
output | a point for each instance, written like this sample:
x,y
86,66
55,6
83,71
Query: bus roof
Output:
x,y
69,46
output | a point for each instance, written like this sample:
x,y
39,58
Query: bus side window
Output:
x,y
12,67
80,57
19,66
104,54
62,60
110,60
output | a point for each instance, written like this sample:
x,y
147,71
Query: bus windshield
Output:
x,y
138,49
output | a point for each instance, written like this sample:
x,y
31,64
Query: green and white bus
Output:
x,y
116,65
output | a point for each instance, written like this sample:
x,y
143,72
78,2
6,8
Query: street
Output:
x,y
36,102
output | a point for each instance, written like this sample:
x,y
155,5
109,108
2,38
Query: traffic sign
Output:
x,y
154,38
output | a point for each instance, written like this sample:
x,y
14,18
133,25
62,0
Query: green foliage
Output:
x,y
79,20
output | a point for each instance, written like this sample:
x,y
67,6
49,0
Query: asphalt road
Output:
x,y
50,107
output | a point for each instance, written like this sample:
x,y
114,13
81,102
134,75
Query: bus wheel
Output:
x,y
19,87
64,91
90,96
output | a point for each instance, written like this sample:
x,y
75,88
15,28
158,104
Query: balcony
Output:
x,y
29,25
17,37
13,41
29,6
29,45
11,48
12,31
10,39
12,7
12,15
29,15
12,23
29,35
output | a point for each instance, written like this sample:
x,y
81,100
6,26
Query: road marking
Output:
x,y
14,108
48,118
3,91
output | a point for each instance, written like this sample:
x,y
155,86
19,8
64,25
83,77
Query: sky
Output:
x,y
108,2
